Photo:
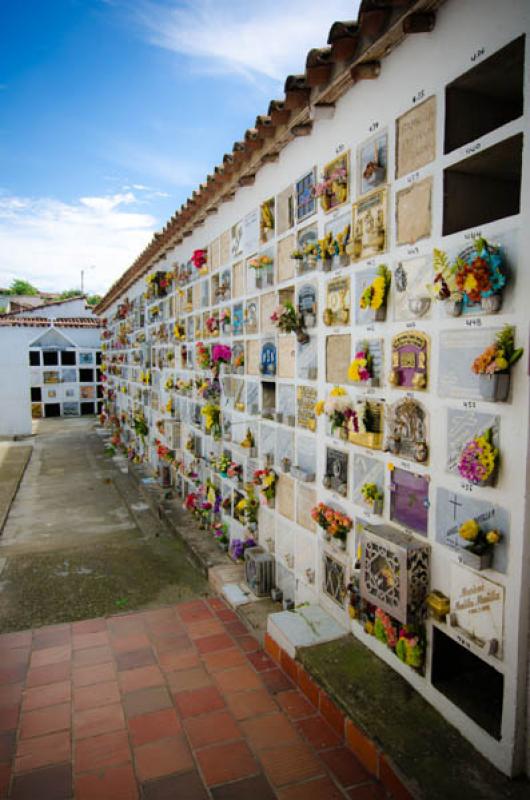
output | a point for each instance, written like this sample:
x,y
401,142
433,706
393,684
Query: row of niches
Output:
x,y
474,280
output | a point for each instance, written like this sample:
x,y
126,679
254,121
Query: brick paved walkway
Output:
x,y
178,703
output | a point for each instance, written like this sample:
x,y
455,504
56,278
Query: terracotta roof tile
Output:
x,y
43,322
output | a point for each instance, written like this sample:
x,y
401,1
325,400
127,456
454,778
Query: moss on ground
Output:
x,y
427,749
94,580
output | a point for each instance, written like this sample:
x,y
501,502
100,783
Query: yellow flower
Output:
x,y
470,283
469,530
242,505
501,363
378,292
355,366
493,537
319,408
337,391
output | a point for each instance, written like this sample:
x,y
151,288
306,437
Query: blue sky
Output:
x,y
112,111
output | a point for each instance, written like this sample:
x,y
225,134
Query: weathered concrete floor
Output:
x,y
74,548
428,750
13,462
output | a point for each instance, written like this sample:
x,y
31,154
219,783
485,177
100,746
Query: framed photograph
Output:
x,y
86,358
306,203
372,163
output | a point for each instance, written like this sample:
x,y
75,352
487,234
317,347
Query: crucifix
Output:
x,y
454,502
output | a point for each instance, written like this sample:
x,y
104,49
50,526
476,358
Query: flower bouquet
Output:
x,y
221,535
478,460
212,325
288,320
493,365
478,553
265,480
373,497
225,319
364,425
158,283
336,407
259,262
238,547
477,276
360,369
334,524
212,419
410,648
234,471
375,296
204,360
221,354
221,464
199,259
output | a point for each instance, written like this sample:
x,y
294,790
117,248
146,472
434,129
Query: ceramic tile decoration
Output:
x,y
390,229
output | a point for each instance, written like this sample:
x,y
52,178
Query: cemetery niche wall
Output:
x,y
329,364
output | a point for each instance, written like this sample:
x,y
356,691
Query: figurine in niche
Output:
x,y
407,434
268,359
409,360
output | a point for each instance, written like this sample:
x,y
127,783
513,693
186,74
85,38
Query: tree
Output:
x,y
69,293
93,299
18,286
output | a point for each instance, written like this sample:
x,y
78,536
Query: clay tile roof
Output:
x,y
44,322
380,26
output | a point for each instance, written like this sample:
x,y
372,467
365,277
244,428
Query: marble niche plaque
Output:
x,y
368,236
267,305
251,316
409,499
253,357
336,471
285,496
284,446
236,239
285,404
411,296
337,230
268,442
286,356
306,397
409,360
285,210
452,509
224,248
307,302
462,426
238,282
338,358
372,161
416,137
457,351
251,232
268,358
477,609
307,237
214,260
337,311
238,358
252,397
285,264
307,360
305,501
375,348
239,394
407,430
366,470
414,212
238,319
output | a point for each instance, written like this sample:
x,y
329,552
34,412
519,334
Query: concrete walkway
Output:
x,y
13,462
178,702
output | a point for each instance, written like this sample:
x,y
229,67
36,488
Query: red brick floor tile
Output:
x,y
7,746
19,639
98,752
369,791
179,643
132,680
51,637
146,700
165,627
159,615
175,661
13,674
45,720
17,657
223,659
164,757
92,656
128,644
204,627
99,673
269,731
42,751
256,788
227,615
186,786
260,661
276,681
248,644
82,640
295,704
318,733
98,694
217,603
291,763
126,625
95,721
319,789
187,679
135,658
198,701
51,673
89,626
5,777
114,783
236,628
9,718
249,704
11,694
226,762
52,783
151,727
237,680
50,655
194,611
219,641
50,695
347,769
211,728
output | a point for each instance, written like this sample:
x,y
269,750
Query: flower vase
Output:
x,y
311,262
453,308
259,280
494,387
270,502
301,336
326,264
378,314
478,561
491,304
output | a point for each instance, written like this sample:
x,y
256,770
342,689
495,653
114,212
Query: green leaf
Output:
x,y
516,355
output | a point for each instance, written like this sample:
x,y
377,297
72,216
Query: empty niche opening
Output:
x,y
268,399
34,358
36,394
485,97
468,682
52,410
68,358
87,408
86,375
50,358
484,187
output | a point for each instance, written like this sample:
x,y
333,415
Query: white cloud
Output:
x,y
251,39
48,242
